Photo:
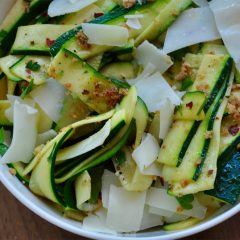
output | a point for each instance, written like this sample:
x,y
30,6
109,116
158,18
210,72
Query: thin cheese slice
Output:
x,y
61,7
148,53
154,90
194,26
108,35
108,179
159,198
25,126
147,152
50,98
227,18
166,117
86,145
125,211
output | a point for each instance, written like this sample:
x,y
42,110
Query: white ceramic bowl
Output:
x,y
42,209
45,211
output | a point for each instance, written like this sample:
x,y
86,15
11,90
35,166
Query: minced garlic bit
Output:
x,y
38,149
185,71
82,40
233,108
203,87
179,209
128,3
123,91
209,134
236,87
12,171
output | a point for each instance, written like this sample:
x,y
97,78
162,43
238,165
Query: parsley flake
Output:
x,y
27,90
33,66
186,201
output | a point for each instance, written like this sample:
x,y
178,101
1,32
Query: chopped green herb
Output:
x,y
2,135
27,90
96,185
120,158
61,73
186,83
179,109
3,34
3,149
33,66
186,201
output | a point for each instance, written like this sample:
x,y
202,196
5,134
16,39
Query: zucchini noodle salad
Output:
x,y
123,115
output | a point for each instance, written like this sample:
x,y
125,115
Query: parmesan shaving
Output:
x,y
147,152
108,35
25,125
227,18
154,90
49,97
194,26
62,7
147,53
125,211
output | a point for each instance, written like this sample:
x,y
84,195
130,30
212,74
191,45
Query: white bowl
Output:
x,y
44,210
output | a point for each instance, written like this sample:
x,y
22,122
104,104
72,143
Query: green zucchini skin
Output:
x,y
82,77
187,141
7,39
210,128
32,39
100,156
116,16
52,159
215,82
96,185
69,195
227,183
55,48
225,74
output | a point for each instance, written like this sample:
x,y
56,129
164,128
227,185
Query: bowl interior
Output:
x,y
44,210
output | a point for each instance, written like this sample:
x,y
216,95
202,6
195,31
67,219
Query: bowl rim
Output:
x,y
96,235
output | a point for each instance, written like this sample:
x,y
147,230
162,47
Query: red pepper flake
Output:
x,y
96,15
28,71
233,130
49,42
210,172
189,105
184,183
